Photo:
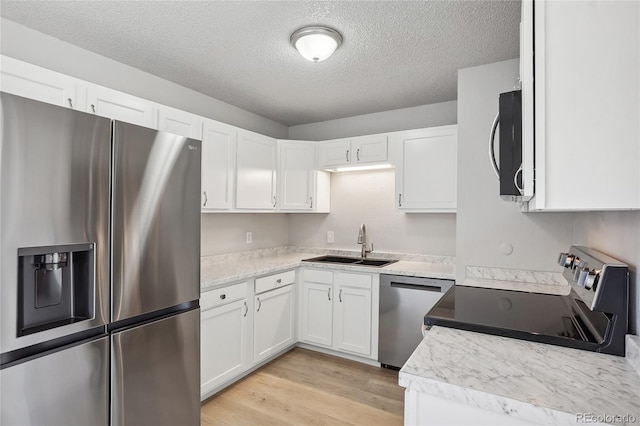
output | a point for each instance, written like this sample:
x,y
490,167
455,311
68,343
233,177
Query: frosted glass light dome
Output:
x,y
316,43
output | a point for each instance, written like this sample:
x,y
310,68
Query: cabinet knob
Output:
x,y
279,280
93,108
223,296
70,102
358,154
340,296
259,304
310,202
274,201
347,156
246,309
399,200
206,199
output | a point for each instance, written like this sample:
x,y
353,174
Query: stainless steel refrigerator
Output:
x,y
99,270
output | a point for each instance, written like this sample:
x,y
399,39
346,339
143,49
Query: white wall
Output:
x,y
25,44
388,121
226,232
618,235
368,197
484,221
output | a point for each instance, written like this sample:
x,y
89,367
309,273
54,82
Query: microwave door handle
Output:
x,y
492,153
515,180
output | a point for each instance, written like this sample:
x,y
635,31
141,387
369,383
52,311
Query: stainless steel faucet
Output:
x,y
362,239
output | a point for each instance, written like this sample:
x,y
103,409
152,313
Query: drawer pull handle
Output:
x,y
223,296
70,103
358,154
246,309
259,305
93,108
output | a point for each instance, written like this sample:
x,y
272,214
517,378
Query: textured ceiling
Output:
x,y
394,55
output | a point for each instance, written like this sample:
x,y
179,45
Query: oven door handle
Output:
x,y
433,288
492,152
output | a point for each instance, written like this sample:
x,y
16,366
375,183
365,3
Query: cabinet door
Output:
x,y
223,344
352,324
368,149
179,122
426,171
256,172
587,104
120,106
296,174
272,322
316,315
34,82
333,153
218,163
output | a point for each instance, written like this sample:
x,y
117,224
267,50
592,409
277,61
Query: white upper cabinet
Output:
x,y
369,149
120,106
587,104
353,151
296,175
255,172
33,82
426,174
218,165
179,122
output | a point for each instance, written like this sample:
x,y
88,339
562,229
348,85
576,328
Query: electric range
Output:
x,y
593,316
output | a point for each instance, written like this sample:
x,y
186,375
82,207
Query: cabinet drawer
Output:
x,y
275,281
221,296
315,276
344,279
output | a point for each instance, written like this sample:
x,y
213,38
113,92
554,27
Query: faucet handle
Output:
x,y
371,251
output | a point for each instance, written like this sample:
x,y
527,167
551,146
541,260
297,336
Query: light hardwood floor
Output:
x,y
304,387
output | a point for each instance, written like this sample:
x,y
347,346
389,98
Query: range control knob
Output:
x,y
581,276
565,260
580,266
591,280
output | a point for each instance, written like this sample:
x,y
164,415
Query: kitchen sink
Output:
x,y
356,261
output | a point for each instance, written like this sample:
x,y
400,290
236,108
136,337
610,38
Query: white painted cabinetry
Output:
x,y
426,174
179,122
336,311
255,172
352,313
587,104
224,336
301,186
296,175
120,106
218,166
354,151
273,320
33,82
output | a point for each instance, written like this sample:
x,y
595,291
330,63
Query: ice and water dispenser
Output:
x,y
56,286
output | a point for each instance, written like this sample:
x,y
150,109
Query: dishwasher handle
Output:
x,y
433,288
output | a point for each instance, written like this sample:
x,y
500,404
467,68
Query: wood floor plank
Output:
x,y
304,387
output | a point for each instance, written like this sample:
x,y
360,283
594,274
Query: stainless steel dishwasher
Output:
x,y
404,301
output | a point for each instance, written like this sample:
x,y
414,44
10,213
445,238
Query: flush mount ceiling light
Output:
x,y
316,43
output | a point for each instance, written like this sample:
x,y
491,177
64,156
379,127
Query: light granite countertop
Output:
x,y
217,271
540,383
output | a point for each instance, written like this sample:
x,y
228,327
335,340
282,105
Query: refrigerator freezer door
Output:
x,y
54,190
156,220
155,373
68,387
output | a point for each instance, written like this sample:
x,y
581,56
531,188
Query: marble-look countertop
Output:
x,y
217,271
541,383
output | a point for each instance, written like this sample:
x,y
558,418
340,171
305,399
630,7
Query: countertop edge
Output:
x,y
486,401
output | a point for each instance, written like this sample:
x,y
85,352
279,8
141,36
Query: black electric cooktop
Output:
x,y
544,318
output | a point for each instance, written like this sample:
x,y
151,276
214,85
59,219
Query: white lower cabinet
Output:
x,y
336,311
273,322
224,336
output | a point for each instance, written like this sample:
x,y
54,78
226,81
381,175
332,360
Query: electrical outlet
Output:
x,y
249,237
330,238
